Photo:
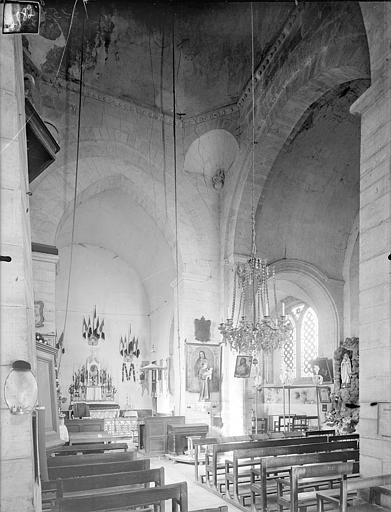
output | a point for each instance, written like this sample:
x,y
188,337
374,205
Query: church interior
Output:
x,y
195,255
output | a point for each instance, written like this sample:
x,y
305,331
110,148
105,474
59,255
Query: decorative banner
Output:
x,y
93,331
129,350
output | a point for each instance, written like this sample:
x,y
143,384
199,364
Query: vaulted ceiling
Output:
x,y
127,49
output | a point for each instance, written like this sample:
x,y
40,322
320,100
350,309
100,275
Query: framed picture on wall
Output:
x,y
325,366
324,395
200,356
243,366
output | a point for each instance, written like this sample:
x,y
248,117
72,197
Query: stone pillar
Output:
x,y
375,245
19,489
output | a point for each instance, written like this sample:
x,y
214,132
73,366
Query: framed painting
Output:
x,y
201,357
243,366
324,395
325,369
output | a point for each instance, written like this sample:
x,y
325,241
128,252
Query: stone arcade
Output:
x,y
98,211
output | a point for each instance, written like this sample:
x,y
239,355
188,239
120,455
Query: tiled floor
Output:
x,y
198,496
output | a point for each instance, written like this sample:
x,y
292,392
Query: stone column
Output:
x,y
19,489
375,244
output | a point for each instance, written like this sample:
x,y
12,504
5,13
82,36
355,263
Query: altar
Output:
x,y
95,409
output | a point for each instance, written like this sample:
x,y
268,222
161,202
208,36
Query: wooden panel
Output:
x,y
47,395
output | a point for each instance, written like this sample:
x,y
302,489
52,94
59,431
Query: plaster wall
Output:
x,y
19,486
100,278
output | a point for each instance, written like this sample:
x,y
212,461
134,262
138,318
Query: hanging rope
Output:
x,y
61,339
176,205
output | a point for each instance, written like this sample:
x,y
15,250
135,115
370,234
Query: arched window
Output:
x,y
302,346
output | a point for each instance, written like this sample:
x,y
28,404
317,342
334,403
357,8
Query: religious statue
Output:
x,y
205,376
346,370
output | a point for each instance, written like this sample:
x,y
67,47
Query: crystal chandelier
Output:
x,y
260,331
251,327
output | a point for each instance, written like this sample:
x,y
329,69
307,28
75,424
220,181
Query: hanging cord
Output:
x,y
74,193
253,248
176,204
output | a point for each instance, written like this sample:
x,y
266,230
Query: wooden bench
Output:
x,y
312,474
283,464
176,493
88,448
100,468
92,458
202,442
250,457
373,484
212,466
53,490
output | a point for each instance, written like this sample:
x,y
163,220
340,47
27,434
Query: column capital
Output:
x,y
376,92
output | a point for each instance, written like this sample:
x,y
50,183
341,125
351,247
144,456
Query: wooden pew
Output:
x,y
100,468
88,448
177,493
53,490
92,458
326,432
252,457
284,463
211,459
373,484
297,501
200,442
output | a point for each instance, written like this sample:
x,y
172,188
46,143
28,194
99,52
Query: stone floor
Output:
x,y
198,496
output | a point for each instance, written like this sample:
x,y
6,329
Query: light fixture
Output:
x,y
264,331
20,388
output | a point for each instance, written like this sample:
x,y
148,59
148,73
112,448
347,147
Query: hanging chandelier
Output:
x,y
251,328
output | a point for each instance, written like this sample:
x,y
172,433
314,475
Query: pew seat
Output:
x,y
375,486
88,448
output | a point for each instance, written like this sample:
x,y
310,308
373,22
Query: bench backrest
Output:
x,y
326,432
91,458
279,449
88,448
84,483
268,463
356,484
135,498
229,447
337,470
98,469
344,437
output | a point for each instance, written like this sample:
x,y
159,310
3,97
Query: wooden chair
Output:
x,y
373,484
312,474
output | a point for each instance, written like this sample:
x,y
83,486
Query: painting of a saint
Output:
x,y
203,369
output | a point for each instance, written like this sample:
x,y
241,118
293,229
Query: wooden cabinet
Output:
x,y
177,436
47,394
153,433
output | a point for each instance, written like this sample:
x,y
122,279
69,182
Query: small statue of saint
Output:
x,y
346,370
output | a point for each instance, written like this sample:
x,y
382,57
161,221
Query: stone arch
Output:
x,y
53,193
323,292
308,73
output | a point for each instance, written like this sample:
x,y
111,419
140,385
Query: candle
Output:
x,y
266,309
282,308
